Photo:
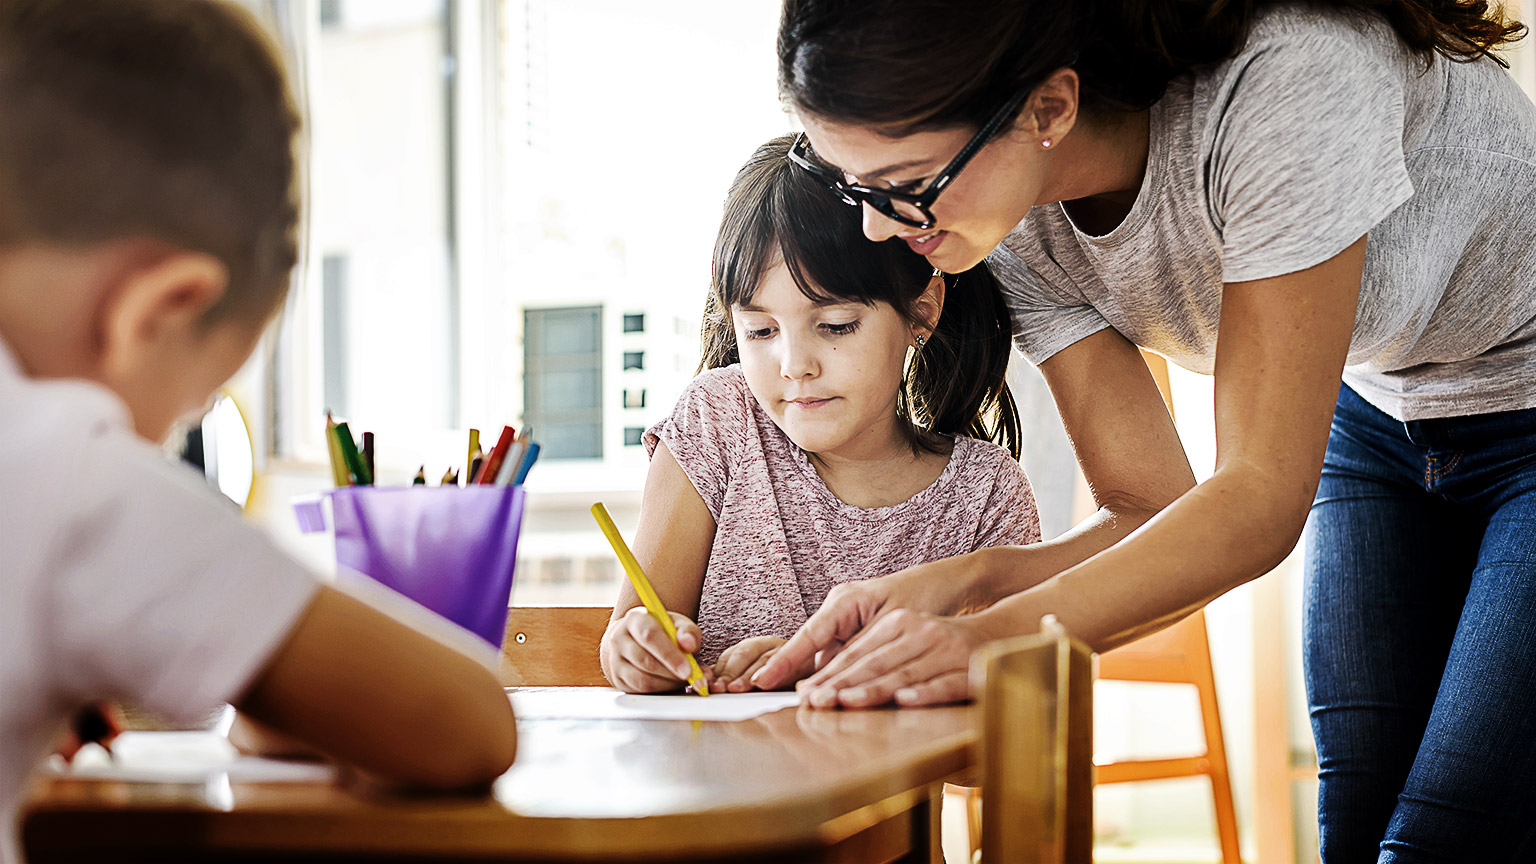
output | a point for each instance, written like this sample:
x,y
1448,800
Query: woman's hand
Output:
x,y
906,657
639,657
738,663
936,587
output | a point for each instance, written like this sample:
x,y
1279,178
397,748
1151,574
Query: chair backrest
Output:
x,y
554,646
1178,654
1036,748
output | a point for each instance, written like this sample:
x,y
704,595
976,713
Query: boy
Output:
x,y
147,231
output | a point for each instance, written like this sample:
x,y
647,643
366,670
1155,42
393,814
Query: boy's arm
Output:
x,y
672,545
388,699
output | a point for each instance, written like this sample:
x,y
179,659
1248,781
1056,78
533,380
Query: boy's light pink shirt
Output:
x,y
121,576
783,540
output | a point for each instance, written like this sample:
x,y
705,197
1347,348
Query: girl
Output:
x,y
1283,195
832,438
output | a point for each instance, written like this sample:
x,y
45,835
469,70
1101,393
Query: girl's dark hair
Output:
x,y
904,65
953,386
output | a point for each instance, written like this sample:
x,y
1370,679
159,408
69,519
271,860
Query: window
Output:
x,y
467,260
333,289
563,380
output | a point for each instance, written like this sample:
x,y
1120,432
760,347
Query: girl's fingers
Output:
x,y
632,680
646,633
689,636
635,657
744,681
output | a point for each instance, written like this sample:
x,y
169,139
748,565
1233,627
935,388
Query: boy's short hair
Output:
x,y
168,120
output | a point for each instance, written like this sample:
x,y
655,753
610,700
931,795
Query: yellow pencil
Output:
x,y
647,594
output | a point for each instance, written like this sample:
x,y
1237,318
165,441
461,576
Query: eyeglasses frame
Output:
x,y
854,194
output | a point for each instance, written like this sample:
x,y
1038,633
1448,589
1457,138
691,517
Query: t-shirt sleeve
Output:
x,y
1010,517
1046,319
1307,154
706,432
161,593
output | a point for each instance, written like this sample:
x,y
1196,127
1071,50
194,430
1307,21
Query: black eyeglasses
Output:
x,y
908,208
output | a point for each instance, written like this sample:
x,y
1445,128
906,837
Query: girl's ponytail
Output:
x,y
957,383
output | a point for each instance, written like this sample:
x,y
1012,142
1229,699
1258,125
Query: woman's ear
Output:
x,y
156,310
929,306
1051,110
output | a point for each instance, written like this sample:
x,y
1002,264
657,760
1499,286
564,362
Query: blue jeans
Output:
x,y
1420,637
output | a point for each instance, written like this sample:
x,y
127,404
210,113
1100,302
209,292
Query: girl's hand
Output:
x,y
738,663
639,657
910,658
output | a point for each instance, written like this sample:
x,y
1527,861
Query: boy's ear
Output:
x,y
930,305
154,307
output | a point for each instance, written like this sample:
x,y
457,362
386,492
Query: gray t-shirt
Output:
x,y
1324,128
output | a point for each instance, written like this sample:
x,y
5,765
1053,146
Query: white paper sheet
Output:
x,y
603,703
185,757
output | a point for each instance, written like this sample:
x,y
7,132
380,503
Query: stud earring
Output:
x,y
1046,144
922,341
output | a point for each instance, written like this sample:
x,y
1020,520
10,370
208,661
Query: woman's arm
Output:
x,y
672,544
1282,346
1134,464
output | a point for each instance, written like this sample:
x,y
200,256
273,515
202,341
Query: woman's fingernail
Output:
x,y
857,695
905,695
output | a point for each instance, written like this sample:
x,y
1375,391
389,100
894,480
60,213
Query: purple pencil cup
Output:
x,y
450,549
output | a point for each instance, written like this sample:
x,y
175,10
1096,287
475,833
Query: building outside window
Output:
x,y
563,381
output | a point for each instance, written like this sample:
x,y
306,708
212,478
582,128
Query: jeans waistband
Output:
x,y
1443,432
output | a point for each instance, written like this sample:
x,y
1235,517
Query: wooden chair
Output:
x,y
1180,654
1036,748
554,646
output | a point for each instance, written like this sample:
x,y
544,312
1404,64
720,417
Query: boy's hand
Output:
x,y
96,723
639,657
257,739
737,664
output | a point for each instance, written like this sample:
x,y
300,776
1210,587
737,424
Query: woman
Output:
x,y
1285,196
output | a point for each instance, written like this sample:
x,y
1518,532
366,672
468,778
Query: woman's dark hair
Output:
x,y
905,65
953,386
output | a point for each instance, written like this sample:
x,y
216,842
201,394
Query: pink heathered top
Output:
x,y
782,539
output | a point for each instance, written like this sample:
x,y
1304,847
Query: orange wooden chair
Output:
x,y
554,646
1180,654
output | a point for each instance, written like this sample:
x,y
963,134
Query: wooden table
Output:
x,y
796,785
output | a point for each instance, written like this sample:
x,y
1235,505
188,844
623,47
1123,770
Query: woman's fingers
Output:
x,y
904,651
847,610
898,625
952,687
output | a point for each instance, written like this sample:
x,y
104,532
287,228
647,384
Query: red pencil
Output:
x,y
492,463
